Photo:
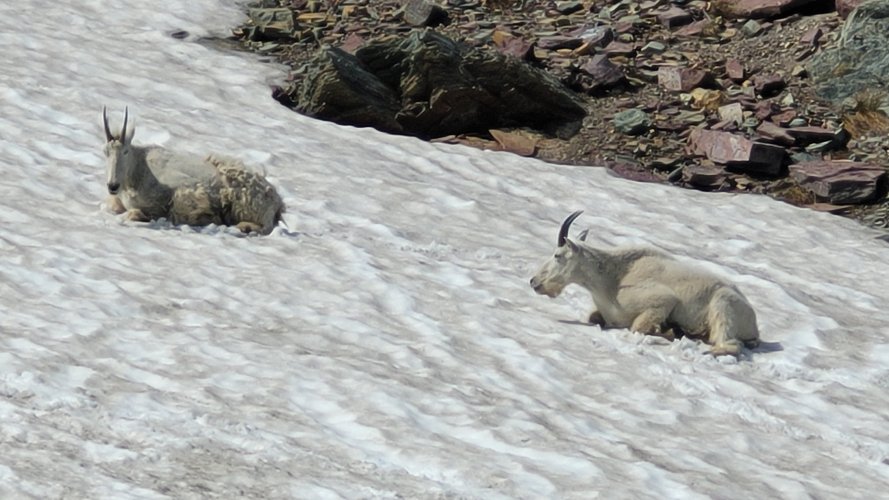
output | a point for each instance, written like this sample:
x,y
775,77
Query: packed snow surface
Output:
x,y
386,344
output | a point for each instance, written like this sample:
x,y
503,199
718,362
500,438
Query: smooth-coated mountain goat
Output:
x,y
149,182
649,292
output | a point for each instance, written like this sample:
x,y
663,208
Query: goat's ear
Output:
x,y
572,246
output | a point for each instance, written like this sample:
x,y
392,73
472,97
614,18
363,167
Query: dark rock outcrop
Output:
x,y
860,62
428,85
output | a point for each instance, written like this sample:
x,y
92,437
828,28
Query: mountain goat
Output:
x,y
149,182
649,292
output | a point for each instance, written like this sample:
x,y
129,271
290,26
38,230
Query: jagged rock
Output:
x,y
845,7
439,87
599,74
737,152
270,24
758,8
841,182
860,62
338,88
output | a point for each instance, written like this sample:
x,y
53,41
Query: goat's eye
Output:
x,y
126,152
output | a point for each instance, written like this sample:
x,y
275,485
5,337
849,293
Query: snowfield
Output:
x,y
386,344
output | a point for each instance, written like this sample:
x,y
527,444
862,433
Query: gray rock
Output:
x,y
338,88
270,24
632,122
860,61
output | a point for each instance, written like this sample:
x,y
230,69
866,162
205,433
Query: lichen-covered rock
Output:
x,y
860,61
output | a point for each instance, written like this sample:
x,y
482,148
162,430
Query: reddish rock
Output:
x,y
774,133
704,177
845,7
512,45
785,117
603,74
616,48
734,70
683,79
808,135
769,84
694,29
559,42
841,182
514,142
758,8
812,36
674,16
764,109
352,43
737,152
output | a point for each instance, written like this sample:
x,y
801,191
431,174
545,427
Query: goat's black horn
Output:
x,y
108,136
123,130
563,232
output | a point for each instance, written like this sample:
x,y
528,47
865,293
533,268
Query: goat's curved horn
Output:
x,y
563,232
108,136
123,130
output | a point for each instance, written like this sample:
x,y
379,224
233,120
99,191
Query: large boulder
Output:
x,y
428,85
860,61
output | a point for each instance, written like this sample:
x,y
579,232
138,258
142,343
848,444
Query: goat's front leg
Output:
x,y
137,215
652,322
654,306
114,204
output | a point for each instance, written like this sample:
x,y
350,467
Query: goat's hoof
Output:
x,y
597,319
751,344
668,334
249,227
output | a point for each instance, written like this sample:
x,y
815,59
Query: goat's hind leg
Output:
x,y
732,323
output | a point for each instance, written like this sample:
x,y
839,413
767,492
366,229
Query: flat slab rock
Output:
x,y
841,182
737,152
758,8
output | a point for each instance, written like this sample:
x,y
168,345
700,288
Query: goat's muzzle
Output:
x,y
113,187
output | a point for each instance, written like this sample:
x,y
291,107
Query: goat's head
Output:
x,y
118,152
556,273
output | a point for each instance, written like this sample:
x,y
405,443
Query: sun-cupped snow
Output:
x,y
386,343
